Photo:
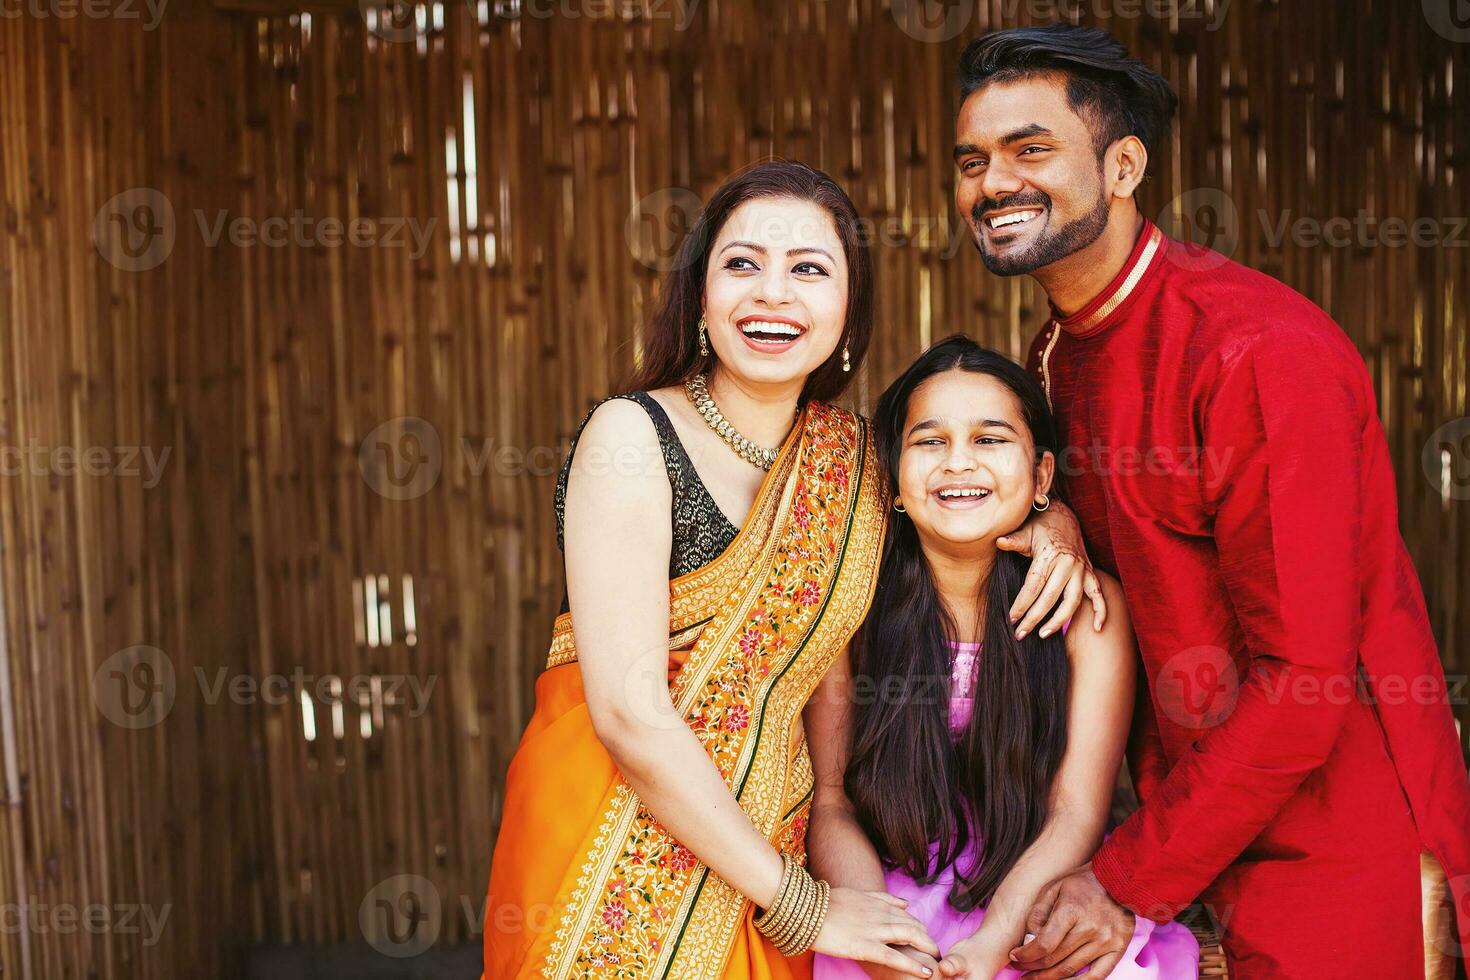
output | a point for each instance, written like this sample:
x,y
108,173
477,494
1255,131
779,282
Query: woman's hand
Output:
x,y
979,957
865,926
887,973
1060,570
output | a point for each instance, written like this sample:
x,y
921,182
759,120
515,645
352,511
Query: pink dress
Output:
x,y
1167,952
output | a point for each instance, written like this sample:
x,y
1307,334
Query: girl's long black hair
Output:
x,y
910,782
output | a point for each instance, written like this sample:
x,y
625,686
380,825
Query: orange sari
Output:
x,y
585,882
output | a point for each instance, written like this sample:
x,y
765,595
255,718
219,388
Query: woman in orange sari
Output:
x,y
664,773
656,809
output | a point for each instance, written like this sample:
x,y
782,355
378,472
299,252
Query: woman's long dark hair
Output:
x,y
910,782
671,355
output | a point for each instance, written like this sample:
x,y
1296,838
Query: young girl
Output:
x,y
946,731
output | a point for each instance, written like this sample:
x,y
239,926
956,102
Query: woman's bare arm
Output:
x,y
618,538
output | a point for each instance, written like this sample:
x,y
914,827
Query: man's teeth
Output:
x,y
1014,218
965,492
753,327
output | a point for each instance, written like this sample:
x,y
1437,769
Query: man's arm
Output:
x,y
1285,414
1060,573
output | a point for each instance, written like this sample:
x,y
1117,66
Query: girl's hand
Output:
x,y
885,973
866,926
980,957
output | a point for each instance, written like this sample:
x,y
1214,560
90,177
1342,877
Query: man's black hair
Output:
x,y
1122,95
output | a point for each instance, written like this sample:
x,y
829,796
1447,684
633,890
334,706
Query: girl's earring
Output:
x,y
898,506
846,360
703,341
1045,503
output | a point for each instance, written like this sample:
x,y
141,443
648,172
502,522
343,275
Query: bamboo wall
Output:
x,y
296,528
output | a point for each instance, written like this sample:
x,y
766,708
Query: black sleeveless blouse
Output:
x,y
701,531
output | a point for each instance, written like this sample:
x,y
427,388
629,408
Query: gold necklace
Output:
x,y
697,388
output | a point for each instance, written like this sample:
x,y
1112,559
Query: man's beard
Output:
x,y
1071,237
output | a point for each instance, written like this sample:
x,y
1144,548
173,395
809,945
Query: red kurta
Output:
x,y
1294,748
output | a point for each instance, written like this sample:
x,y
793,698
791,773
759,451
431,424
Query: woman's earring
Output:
x,y
703,342
846,361
898,506
1046,502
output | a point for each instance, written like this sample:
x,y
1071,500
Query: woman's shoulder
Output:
x,y
615,461
618,423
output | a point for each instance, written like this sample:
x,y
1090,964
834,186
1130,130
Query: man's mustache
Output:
x,y
1034,199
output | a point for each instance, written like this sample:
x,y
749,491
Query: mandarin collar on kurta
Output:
x,y
1101,311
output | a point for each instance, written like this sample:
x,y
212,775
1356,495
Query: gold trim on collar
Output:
x,y
1082,327
1051,342
1124,290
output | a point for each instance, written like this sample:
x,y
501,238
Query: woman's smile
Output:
x,y
769,333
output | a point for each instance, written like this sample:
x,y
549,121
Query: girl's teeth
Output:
x,y
953,494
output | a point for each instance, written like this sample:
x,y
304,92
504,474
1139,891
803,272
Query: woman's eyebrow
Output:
x,y
789,252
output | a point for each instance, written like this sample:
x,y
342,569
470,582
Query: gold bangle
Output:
x,y
794,918
774,914
800,937
790,911
801,908
812,923
819,918
780,915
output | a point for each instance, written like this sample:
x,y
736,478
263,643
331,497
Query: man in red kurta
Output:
x,y
1293,745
